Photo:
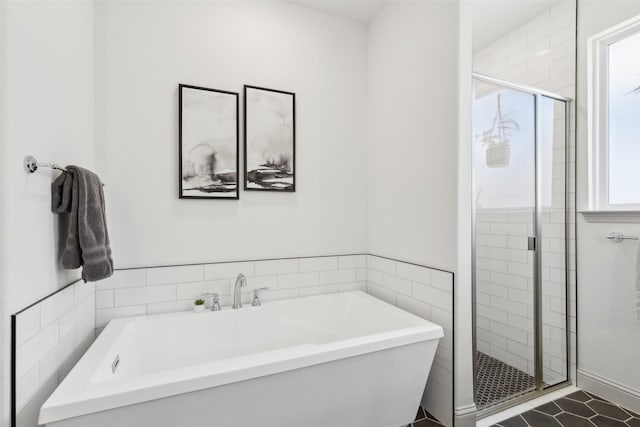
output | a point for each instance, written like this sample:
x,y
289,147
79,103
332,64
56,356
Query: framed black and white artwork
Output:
x,y
208,143
269,139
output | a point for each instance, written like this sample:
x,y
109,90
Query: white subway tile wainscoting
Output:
x,y
48,338
156,290
53,334
428,293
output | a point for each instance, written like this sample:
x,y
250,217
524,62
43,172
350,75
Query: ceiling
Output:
x,y
357,10
491,19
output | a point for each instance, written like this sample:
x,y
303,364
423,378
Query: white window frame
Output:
x,y
598,132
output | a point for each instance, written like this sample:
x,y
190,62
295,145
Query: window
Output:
x,y
614,118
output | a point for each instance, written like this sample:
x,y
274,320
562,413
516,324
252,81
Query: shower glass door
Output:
x,y
504,163
554,240
520,257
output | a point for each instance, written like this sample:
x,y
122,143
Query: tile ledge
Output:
x,y
625,216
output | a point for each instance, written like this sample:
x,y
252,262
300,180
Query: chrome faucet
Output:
x,y
241,281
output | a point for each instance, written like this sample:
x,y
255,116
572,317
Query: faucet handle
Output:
x,y
256,296
215,302
215,305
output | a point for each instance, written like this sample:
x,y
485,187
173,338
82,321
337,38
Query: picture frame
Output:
x,y
208,143
269,139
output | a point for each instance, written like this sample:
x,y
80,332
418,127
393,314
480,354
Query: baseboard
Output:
x,y
610,390
465,416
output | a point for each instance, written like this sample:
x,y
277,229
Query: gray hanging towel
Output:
x,y
78,192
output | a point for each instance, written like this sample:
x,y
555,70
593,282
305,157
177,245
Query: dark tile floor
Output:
x,y
425,419
579,409
496,381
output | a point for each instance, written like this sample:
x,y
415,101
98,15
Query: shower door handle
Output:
x,y
531,244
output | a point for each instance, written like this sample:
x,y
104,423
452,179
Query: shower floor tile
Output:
x,y
496,381
579,409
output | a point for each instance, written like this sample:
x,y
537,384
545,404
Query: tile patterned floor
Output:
x,y
425,419
579,409
498,381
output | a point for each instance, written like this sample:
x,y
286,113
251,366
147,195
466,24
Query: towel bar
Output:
x,y
619,237
31,165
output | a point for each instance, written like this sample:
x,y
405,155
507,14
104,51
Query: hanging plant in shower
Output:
x,y
496,140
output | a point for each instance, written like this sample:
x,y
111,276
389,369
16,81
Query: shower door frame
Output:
x,y
540,389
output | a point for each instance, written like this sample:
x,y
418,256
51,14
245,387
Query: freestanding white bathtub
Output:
x,y
324,361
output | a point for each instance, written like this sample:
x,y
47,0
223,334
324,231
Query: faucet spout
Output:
x,y
241,282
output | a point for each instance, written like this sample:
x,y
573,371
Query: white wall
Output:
x,y
412,127
413,119
47,85
464,401
608,325
146,48
48,105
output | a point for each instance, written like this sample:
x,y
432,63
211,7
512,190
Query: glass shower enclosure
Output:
x,y
520,257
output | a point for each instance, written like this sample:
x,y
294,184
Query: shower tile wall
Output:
x,y
51,337
427,293
504,285
540,53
